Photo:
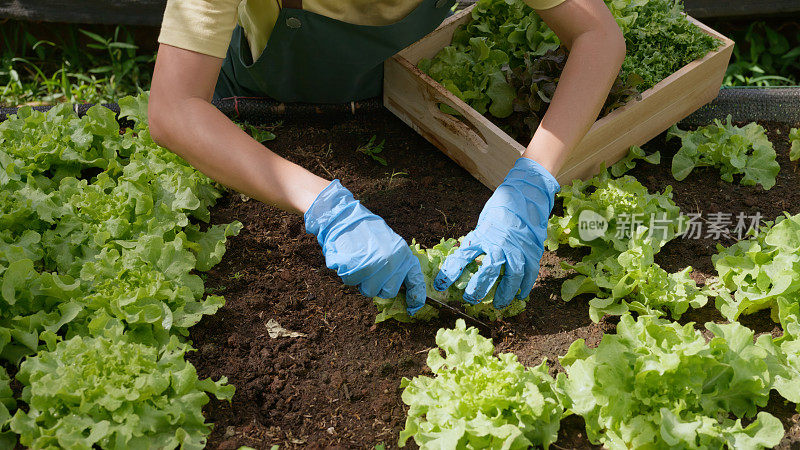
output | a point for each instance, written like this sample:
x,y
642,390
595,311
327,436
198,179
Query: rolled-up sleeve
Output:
x,y
543,4
203,26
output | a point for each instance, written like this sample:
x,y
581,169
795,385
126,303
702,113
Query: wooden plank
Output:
x,y
472,141
487,152
441,37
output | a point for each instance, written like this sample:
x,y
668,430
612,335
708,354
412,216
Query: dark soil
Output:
x,y
340,385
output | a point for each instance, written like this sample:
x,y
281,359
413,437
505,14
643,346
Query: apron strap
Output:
x,y
293,4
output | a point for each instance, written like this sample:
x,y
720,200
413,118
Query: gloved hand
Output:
x,y
511,231
362,249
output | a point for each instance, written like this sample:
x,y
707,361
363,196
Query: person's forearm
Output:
x,y
198,132
593,65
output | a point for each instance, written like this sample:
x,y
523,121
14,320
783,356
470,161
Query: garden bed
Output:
x,y
340,385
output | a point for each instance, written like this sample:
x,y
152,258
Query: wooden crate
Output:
x,y
487,152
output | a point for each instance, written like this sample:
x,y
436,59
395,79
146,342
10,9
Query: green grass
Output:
x,y
80,66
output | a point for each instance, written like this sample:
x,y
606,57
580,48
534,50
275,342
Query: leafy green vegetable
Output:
x,y
660,40
629,161
149,285
260,134
734,150
373,150
7,406
99,234
508,36
622,203
474,74
657,384
794,139
477,400
31,303
431,261
761,270
786,353
633,282
114,393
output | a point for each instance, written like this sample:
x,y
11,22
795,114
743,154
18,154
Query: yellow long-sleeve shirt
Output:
x,y
205,26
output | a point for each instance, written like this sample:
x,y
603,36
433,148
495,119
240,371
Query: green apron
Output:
x,y
315,59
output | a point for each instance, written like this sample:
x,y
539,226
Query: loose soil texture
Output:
x,y
339,386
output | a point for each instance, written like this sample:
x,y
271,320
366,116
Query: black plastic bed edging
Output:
x,y
741,8
113,12
256,110
780,105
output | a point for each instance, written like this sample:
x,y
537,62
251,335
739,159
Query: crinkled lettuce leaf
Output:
x,y
733,150
658,384
431,261
111,392
760,271
478,400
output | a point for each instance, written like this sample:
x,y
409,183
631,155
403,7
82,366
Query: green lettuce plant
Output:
x,y
632,281
635,153
431,261
734,150
100,229
618,202
794,139
657,384
786,353
760,271
7,406
33,302
478,400
111,392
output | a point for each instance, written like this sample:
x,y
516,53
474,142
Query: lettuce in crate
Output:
x,y
431,261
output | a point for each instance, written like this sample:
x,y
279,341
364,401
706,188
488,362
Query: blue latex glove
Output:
x,y
511,231
362,249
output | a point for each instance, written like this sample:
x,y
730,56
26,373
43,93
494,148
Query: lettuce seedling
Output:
x,y
632,281
760,271
7,406
431,261
734,150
